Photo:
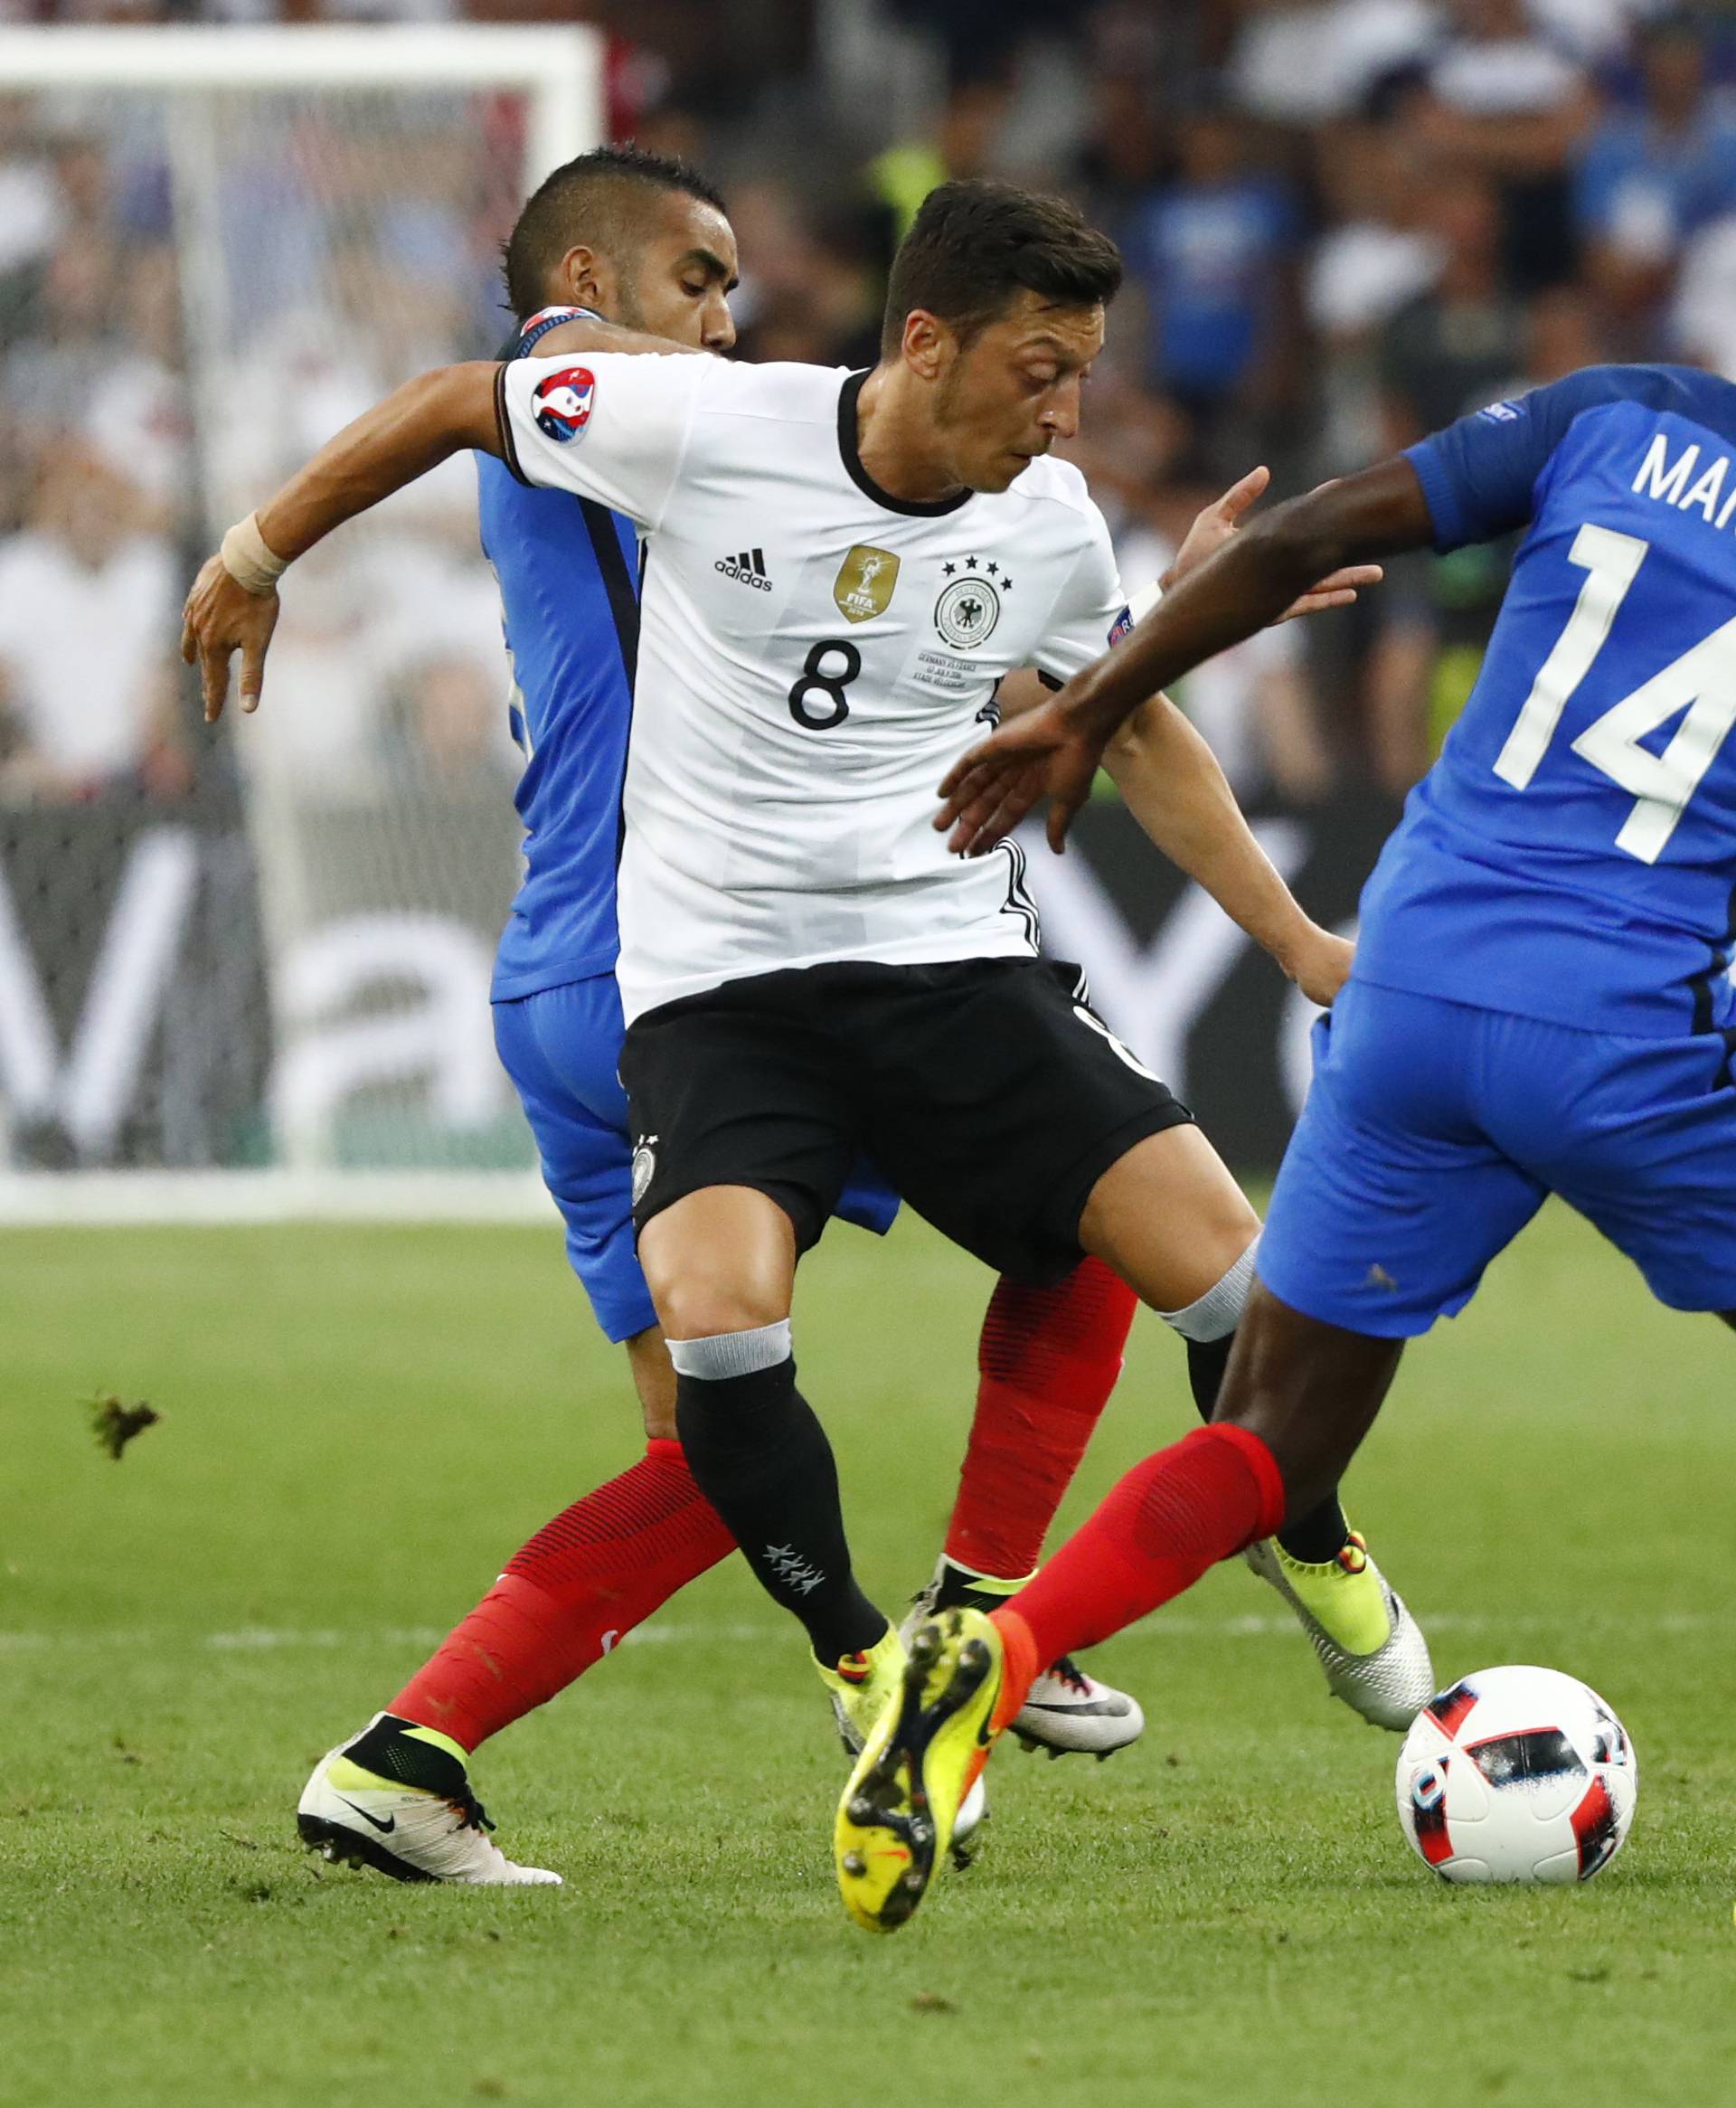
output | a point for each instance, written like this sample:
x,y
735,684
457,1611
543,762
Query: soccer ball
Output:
x,y
1518,1775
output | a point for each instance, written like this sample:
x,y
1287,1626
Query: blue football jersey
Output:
x,y
1572,856
569,576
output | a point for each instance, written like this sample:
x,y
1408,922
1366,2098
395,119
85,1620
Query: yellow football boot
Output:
x,y
920,1761
861,1686
1370,1648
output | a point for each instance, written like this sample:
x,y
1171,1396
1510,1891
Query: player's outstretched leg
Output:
x,y
1373,1655
1168,1519
566,1599
1047,1360
1298,1398
1372,1649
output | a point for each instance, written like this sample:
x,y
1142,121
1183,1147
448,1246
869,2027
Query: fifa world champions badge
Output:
x,y
864,584
563,401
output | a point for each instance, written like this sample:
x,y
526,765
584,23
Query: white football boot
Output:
x,y
1068,1712
397,1798
1372,1649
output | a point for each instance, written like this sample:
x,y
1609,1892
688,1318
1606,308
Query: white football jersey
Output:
x,y
814,656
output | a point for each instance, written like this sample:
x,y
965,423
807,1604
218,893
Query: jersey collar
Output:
x,y
860,476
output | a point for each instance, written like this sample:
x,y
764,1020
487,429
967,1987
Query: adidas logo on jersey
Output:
x,y
750,567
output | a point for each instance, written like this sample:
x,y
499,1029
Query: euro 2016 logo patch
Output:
x,y
1121,627
563,401
970,605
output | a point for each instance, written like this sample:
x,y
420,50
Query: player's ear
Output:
x,y
588,280
928,344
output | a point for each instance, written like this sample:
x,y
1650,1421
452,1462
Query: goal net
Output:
x,y
255,962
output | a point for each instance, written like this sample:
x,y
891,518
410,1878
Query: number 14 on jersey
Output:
x,y
1701,683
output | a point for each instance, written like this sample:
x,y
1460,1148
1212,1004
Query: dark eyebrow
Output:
x,y
1052,347
713,265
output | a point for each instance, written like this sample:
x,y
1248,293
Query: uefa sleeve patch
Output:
x,y
563,402
1500,412
1122,626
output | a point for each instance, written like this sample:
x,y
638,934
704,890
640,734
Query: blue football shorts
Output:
x,y
561,1048
1433,1131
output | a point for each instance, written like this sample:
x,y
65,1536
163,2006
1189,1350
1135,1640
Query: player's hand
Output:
x,y
1042,754
1319,964
1218,522
221,617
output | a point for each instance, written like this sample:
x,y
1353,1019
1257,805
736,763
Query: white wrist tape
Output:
x,y
249,559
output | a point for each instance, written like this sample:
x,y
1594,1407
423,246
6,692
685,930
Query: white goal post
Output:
x,y
246,976
558,68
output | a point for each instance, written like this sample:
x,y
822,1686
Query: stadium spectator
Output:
x,y
1597,32
88,606
1305,64
1703,321
963,141
1503,98
363,321
32,209
1214,253
1648,179
1121,157
811,288
1452,347
73,342
1375,256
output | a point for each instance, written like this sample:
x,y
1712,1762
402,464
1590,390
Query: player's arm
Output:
x,y
1170,782
529,413
1475,481
1168,776
1213,527
234,604
1254,578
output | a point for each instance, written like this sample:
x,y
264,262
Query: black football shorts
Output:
x,y
987,1092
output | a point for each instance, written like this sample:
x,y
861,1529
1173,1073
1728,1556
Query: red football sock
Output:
x,y
1205,1497
1048,1360
581,1585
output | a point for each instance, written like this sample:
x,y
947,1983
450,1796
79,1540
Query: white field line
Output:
x,y
675,1633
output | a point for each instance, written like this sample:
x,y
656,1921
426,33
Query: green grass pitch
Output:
x,y
359,1425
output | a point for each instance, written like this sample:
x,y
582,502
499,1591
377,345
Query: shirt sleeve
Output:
x,y
1480,474
1090,613
612,426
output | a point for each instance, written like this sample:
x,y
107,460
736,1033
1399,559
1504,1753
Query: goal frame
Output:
x,y
558,69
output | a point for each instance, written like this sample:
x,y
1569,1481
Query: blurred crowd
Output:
x,y
1346,222
152,384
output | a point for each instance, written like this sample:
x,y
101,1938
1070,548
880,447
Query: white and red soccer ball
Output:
x,y
1518,1775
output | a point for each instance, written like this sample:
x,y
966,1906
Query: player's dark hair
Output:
x,y
598,199
974,247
